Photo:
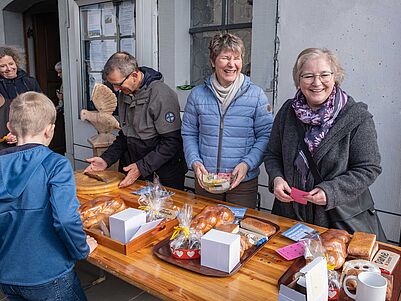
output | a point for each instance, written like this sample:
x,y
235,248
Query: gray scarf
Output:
x,y
226,94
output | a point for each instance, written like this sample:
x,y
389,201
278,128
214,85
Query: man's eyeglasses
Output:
x,y
122,83
324,77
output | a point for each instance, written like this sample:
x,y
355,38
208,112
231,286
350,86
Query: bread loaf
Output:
x,y
362,244
335,242
342,235
230,228
100,208
258,226
212,216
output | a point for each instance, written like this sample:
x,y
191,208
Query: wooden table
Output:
x,y
257,280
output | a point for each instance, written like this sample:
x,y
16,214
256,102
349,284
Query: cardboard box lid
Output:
x,y
128,214
220,237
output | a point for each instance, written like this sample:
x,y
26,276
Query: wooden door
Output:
x,y
47,54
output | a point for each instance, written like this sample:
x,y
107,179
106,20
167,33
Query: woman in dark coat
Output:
x,y
13,81
323,124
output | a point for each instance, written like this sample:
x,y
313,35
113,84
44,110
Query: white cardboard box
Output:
x,y
124,224
314,279
220,250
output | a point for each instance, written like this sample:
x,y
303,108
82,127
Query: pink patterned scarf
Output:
x,y
319,122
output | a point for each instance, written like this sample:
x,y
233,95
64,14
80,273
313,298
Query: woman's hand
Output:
x,y
282,190
96,164
199,170
239,174
317,196
132,175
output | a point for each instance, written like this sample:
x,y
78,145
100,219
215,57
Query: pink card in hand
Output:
x,y
298,195
292,251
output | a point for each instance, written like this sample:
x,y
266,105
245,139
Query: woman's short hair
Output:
x,y
312,53
121,61
225,41
31,113
13,52
58,67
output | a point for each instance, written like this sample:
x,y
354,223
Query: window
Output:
x,y
105,28
209,17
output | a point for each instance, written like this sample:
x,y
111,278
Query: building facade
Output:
x,y
170,36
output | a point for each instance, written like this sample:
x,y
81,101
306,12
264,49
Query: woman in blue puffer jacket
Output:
x,y
227,123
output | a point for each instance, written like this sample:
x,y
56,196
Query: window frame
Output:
x,y
223,27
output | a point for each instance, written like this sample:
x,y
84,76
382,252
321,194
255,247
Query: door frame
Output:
x,y
77,131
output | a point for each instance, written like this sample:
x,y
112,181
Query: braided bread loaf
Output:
x,y
212,216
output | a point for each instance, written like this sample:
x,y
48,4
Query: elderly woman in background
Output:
x,y
13,81
324,143
227,123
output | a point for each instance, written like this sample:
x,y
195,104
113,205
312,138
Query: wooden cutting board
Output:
x,y
87,185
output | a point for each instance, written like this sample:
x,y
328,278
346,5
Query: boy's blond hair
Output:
x,y
31,113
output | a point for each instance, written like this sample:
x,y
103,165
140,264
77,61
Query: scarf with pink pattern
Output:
x,y
319,122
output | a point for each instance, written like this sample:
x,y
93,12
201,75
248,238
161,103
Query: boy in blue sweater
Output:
x,y
41,235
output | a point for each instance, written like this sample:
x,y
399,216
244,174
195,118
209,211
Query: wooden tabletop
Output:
x,y
256,280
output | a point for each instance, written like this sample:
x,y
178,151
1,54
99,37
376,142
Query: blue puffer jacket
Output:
x,y
222,142
41,233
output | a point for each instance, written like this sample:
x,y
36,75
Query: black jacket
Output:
x,y
11,88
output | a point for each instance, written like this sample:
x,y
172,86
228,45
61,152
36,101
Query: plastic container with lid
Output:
x,y
217,182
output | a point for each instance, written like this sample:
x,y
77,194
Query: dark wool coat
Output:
x,y
348,159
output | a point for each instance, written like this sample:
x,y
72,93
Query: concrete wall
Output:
x,y
366,36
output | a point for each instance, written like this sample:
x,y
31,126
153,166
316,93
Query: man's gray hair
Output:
x,y
121,61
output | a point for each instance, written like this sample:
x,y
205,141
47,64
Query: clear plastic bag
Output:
x,y
185,241
156,201
313,247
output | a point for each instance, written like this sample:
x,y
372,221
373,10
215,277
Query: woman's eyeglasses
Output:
x,y
324,77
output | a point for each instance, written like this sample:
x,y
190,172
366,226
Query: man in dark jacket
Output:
x,y
150,122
